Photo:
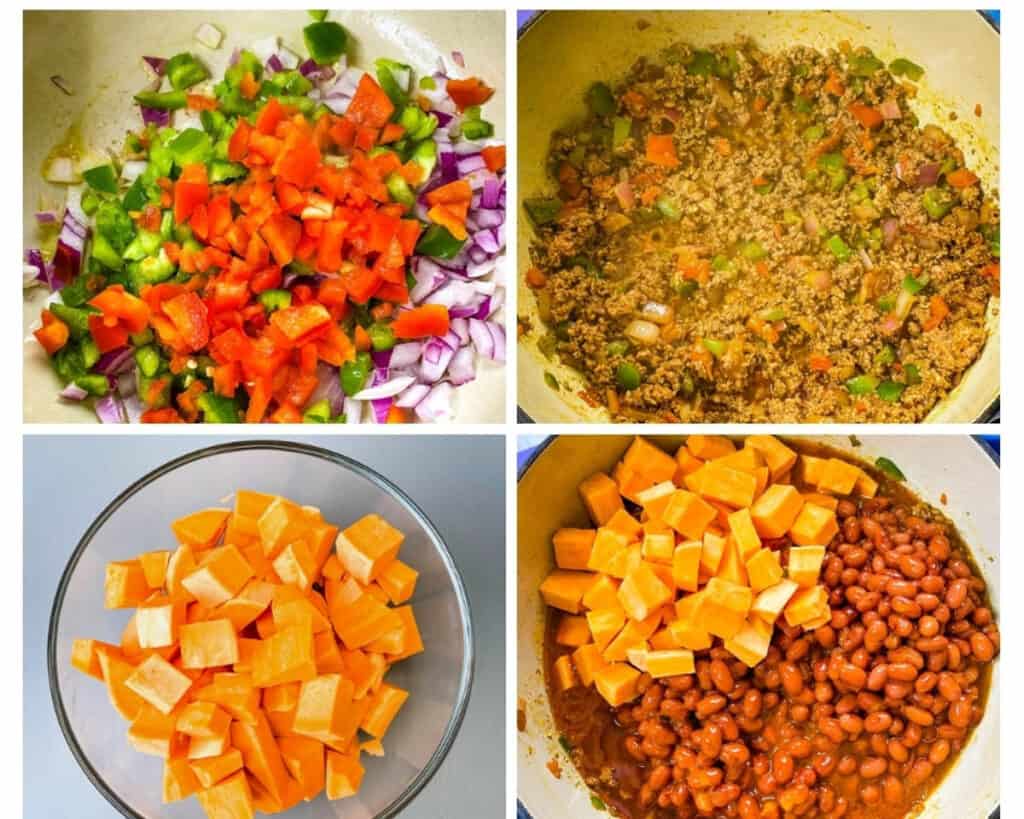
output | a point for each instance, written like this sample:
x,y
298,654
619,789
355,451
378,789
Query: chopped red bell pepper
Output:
x,y
428,320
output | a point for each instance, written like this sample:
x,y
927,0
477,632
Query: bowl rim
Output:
x,y
990,414
468,662
538,450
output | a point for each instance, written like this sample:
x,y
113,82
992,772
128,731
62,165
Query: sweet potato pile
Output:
x,y
257,653
703,561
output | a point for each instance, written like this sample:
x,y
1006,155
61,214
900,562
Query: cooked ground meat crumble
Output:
x,y
763,237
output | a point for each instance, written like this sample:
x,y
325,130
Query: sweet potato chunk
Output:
x,y
202,529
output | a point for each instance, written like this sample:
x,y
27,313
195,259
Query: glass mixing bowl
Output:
x,y
138,520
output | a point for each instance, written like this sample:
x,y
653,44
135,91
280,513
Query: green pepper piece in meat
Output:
x,y
318,413
861,384
275,300
937,203
890,390
542,211
802,104
753,250
890,468
864,65
622,128
714,346
627,376
721,262
438,243
618,347
839,248
885,356
326,41
902,67
219,409
911,374
912,285
600,100
354,374
702,64
382,337
184,70
667,209
813,133
102,178
162,100
991,235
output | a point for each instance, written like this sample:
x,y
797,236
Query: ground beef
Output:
x,y
734,249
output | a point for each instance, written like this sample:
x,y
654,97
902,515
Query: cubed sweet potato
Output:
x,y
573,547
222,573
125,585
201,529
367,546
229,799
344,774
159,683
208,644
601,497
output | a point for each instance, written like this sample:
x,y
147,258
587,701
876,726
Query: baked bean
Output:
x,y
901,672
920,771
871,794
851,724
721,676
654,750
748,808
928,626
981,647
873,767
892,790
918,716
898,751
877,722
939,752
711,704
673,709
960,712
949,687
792,680
926,682
912,567
659,777
956,593
906,607
853,676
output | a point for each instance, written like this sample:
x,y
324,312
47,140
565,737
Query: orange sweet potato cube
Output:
x,y
712,551
730,486
116,670
825,501
125,585
344,774
642,592
605,624
669,662
866,486
648,460
814,526
775,510
724,607
201,529
587,660
286,656
564,590
234,692
604,550
709,447
181,563
154,567
626,525
304,759
746,459
367,546
159,683
764,570
295,564
686,564
602,593
688,514
221,575
251,504
741,525
85,656
321,539
769,603
805,564
332,568
320,712
261,755
399,581
617,683
179,781
838,477
601,497
564,673
209,747
686,463
806,605
658,547
230,799
243,609
281,523
384,707
327,654
290,607
731,566
152,732
157,622
400,642
211,770
363,620
284,697
808,469
202,719
209,643
750,644
779,457
655,498
572,631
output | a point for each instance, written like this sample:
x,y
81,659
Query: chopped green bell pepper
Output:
x,y
753,250
223,171
115,225
912,285
937,203
354,374
864,65
382,337
627,376
721,262
146,243
542,211
191,146
667,209
861,384
326,41
885,356
802,104
103,178
184,70
275,300
318,413
219,409
772,314
105,253
148,360
90,202
890,468
702,64
991,235
477,129
911,374
94,384
400,190
153,270
813,133
389,73
76,318
438,243
617,347
890,390
600,100
839,248
162,100
714,346
902,67
622,128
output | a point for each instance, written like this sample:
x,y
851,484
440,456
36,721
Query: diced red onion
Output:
x,y
406,355
127,383
133,409
460,327
412,396
328,386
154,65
115,362
429,276
274,64
488,338
35,269
485,218
316,73
890,227
465,148
458,59
353,411
265,48
72,392
110,410
486,240
436,357
624,193
46,217
385,390
456,293
462,368
890,109
380,408
338,104
208,35
155,116
471,163
235,54
437,404
928,174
